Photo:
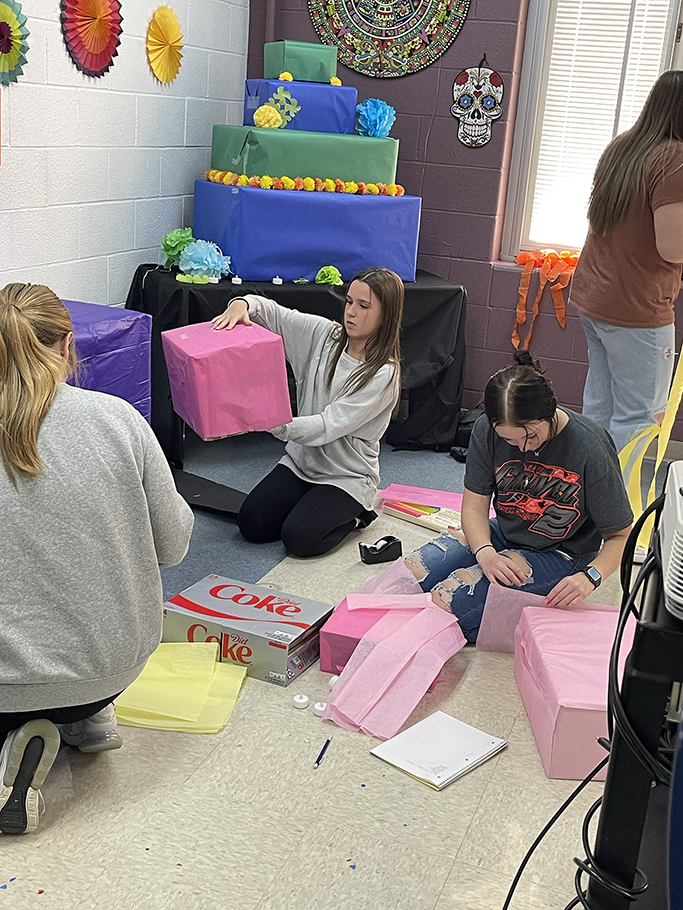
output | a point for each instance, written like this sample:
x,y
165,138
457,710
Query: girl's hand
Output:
x,y
500,569
570,591
236,313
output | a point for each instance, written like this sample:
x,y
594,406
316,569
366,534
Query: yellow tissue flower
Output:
x,y
335,81
288,183
226,178
243,180
286,77
329,186
350,187
391,189
309,184
373,189
268,116
266,183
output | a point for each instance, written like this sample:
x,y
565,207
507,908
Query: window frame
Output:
x,y
530,111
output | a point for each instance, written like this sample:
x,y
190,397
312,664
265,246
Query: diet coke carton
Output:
x,y
274,635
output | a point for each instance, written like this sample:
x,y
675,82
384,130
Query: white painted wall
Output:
x,y
95,171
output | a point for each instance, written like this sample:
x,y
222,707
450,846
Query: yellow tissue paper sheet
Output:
x,y
225,687
164,44
175,683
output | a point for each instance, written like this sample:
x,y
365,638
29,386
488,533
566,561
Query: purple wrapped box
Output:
x,y
114,352
293,234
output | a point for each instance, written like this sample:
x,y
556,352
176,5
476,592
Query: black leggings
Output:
x,y
309,518
70,715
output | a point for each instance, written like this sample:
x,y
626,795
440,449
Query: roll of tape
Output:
x,y
300,701
319,707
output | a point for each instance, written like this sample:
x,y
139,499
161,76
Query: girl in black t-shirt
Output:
x,y
562,514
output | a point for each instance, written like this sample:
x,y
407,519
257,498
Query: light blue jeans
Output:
x,y
465,592
629,375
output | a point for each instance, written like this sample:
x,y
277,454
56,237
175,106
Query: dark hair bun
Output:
x,y
523,358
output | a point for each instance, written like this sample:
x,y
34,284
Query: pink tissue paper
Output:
x,y
225,383
503,609
391,669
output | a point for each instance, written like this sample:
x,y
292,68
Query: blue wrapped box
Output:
x,y
294,233
113,346
324,108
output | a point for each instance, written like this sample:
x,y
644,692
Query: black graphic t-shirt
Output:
x,y
565,498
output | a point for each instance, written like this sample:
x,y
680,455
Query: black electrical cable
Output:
x,y
570,799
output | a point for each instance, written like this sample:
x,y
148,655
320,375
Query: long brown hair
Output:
x,y
620,171
32,320
385,344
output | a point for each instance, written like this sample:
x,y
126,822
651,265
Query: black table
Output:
x,y
433,345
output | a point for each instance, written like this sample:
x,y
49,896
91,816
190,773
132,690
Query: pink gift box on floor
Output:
x,y
225,383
341,633
561,667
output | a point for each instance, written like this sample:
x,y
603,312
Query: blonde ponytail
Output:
x,y
33,324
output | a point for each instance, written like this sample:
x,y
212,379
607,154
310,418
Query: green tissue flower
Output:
x,y
174,243
283,102
329,274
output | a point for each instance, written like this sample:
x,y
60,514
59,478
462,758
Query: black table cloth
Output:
x,y
432,341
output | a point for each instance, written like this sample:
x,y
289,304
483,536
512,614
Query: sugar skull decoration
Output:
x,y
477,94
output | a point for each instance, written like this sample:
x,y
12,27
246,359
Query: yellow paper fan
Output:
x,y
164,44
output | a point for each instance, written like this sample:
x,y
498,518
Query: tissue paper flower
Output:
x,y
309,184
329,186
174,243
350,187
335,80
329,274
298,183
375,118
13,45
92,30
287,183
268,116
266,182
204,258
373,189
164,44
286,77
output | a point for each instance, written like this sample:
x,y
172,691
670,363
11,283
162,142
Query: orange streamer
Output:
x,y
555,270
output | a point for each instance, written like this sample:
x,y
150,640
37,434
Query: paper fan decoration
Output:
x,y
92,30
13,46
164,44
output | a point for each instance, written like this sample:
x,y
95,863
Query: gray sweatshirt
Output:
x,y
335,438
81,545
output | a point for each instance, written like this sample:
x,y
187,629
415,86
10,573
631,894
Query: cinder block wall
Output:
x,y
95,171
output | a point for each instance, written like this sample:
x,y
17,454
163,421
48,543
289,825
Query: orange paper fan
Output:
x,y
92,30
164,44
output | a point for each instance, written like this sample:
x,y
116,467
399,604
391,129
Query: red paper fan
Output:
x,y
91,31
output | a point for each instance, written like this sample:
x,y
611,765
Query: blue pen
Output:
x,y
322,753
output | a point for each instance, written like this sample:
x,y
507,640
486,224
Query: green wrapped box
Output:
x,y
306,62
257,151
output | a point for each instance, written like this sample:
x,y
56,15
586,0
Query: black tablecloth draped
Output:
x,y
433,345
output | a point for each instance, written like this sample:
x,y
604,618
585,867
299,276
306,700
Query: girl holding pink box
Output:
x,y
348,384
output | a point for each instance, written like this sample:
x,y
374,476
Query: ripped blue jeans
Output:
x,y
443,558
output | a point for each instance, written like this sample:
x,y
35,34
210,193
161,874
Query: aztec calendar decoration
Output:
x,y
390,38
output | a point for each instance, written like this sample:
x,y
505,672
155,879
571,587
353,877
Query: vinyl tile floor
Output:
x,y
242,819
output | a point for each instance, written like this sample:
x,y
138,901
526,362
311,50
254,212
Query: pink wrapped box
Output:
x,y
561,667
225,383
341,633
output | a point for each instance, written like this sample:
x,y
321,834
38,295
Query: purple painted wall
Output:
x,y
463,189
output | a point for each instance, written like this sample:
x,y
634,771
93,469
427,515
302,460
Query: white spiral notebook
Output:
x,y
439,749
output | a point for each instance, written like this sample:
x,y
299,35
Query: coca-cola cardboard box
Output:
x,y
276,636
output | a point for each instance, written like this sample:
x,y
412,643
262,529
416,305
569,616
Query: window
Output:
x,y
588,68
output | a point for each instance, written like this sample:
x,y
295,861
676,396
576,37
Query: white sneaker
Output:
x,y
639,554
25,760
94,734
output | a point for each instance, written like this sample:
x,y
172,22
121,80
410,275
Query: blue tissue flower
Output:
x,y
204,258
375,118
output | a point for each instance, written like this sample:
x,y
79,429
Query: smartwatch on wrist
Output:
x,y
593,575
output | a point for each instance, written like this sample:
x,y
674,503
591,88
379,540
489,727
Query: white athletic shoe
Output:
x,y
25,760
94,734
